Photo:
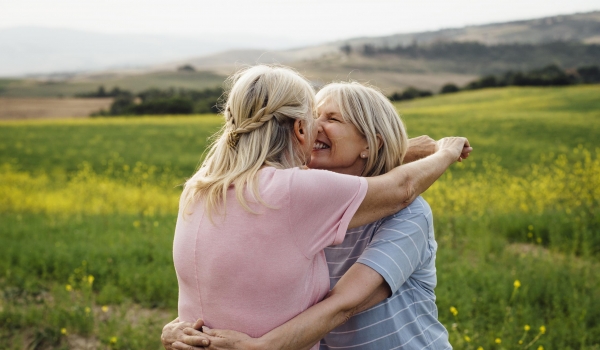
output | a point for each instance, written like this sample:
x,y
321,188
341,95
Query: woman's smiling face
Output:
x,y
339,144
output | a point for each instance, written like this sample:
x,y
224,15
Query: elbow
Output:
x,y
407,192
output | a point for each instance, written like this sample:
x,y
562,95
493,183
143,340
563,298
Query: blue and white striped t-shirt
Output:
x,y
402,249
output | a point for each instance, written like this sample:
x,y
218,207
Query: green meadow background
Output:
x,y
88,208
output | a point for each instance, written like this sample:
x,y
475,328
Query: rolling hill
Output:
x,y
424,60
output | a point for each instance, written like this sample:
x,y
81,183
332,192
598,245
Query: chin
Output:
x,y
314,164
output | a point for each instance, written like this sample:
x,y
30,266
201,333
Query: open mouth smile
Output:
x,y
319,146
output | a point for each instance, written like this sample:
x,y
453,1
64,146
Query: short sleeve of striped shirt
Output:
x,y
399,247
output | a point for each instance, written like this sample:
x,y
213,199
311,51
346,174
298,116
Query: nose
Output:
x,y
319,122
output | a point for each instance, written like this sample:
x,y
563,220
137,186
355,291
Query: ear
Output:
x,y
300,131
379,141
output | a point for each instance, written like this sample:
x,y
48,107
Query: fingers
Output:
x,y
466,151
198,341
198,324
181,346
174,331
209,331
460,146
194,332
194,337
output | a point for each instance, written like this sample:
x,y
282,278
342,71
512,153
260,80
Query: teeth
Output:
x,y
320,145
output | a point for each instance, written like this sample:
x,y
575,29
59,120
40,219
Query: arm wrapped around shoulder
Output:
x,y
395,190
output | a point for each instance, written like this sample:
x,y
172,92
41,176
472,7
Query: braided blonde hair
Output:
x,y
372,114
261,108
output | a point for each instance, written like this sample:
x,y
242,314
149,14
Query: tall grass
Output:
x,y
88,209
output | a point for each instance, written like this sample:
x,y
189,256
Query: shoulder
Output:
x,y
296,174
418,212
314,180
418,206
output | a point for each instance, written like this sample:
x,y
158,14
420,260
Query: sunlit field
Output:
x,y
88,207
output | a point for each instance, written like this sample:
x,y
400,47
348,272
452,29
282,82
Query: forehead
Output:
x,y
328,106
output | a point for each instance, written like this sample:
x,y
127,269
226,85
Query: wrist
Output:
x,y
261,343
448,155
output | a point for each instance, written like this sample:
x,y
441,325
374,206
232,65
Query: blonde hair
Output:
x,y
262,105
373,114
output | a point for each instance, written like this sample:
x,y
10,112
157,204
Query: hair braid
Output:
x,y
259,119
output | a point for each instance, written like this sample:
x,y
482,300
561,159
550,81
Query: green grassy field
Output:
x,y
88,210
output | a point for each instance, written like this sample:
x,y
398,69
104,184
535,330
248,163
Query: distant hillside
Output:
x,y
430,59
477,58
425,60
581,27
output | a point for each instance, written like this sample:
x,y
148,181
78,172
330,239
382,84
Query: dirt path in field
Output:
x,y
13,108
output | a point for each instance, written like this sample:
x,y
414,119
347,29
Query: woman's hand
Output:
x,y
214,339
174,335
423,146
458,147
220,339
419,147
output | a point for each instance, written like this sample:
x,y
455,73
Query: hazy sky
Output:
x,y
305,20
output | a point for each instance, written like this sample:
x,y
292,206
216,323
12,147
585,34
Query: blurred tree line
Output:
x,y
551,75
157,101
102,92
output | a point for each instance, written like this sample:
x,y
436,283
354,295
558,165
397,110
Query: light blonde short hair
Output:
x,y
372,114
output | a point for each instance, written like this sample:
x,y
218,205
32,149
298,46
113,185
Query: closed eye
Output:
x,y
335,117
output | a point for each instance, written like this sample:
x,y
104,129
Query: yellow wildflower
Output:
x,y
104,308
520,342
113,340
526,328
87,310
68,287
136,224
90,279
63,331
530,227
498,341
480,348
517,284
543,329
467,339
539,240
453,310
540,348
529,235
